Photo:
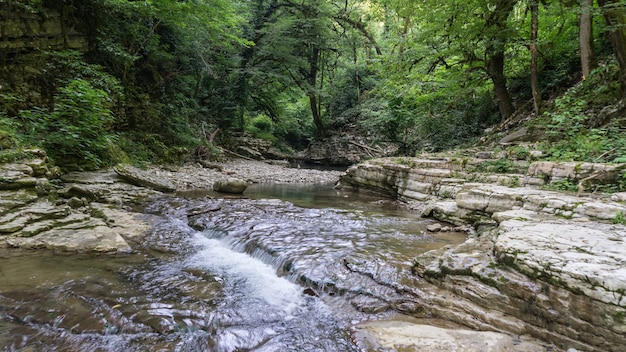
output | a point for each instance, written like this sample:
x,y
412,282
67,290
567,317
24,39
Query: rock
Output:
x,y
521,135
398,335
15,199
434,227
75,202
576,171
369,305
91,238
230,185
137,177
17,176
485,155
619,197
39,166
586,257
551,263
82,192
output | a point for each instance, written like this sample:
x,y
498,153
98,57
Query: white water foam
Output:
x,y
257,279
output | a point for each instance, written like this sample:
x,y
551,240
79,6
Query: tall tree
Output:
x,y
497,35
585,34
614,12
534,71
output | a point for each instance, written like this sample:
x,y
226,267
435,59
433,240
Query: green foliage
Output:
x,y
501,166
518,152
166,74
261,126
295,126
563,185
76,132
619,219
568,121
8,133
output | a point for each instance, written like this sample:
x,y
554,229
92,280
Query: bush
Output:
x,y
75,133
262,123
261,126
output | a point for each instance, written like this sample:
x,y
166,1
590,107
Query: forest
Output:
x,y
159,80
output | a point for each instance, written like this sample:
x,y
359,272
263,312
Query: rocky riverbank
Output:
x,y
94,211
543,263
538,264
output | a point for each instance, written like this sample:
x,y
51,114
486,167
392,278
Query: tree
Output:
x,y
497,35
585,30
614,12
534,71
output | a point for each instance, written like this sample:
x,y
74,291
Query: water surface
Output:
x,y
267,272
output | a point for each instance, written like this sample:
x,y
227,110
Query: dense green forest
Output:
x,y
162,80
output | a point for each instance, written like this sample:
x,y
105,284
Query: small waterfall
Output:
x,y
223,275
264,290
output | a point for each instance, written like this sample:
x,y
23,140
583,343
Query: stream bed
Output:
x,y
266,272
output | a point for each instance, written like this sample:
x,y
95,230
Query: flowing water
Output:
x,y
270,272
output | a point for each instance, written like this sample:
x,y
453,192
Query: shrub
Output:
x,y
75,133
261,126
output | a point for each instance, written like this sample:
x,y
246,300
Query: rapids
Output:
x,y
269,272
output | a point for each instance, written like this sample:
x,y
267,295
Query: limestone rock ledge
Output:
x,y
86,213
546,264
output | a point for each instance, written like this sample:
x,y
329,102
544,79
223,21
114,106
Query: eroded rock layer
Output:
x,y
542,263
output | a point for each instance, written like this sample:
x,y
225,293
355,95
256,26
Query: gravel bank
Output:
x,y
194,176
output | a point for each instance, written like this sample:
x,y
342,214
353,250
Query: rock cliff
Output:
x,y
542,263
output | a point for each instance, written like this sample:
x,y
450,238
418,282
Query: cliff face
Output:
x,y
542,263
28,37
23,29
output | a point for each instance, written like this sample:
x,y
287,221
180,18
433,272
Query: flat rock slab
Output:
x,y
96,239
397,335
585,256
140,178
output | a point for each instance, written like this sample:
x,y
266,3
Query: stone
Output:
x,y
16,176
485,155
546,263
140,178
39,166
75,202
91,239
434,227
230,185
14,199
582,256
399,335
82,192
619,197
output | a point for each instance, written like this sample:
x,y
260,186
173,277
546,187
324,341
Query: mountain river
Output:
x,y
270,271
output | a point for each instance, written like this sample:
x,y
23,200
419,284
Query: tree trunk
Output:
x,y
585,38
312,90
614,12
494,53
534,72
495,69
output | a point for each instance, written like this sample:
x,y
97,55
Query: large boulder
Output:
x,y
230,185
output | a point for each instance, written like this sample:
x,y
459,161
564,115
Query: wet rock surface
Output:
x,y
543,263
539,263
93,211
397,335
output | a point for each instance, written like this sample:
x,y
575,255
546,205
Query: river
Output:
x,y
273,271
